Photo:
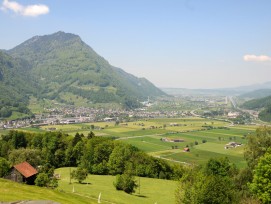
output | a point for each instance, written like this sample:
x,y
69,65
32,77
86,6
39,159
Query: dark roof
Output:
x,y
26,169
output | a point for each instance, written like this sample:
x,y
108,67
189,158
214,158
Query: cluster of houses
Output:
x,y
70,115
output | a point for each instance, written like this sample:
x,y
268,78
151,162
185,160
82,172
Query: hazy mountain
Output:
x,y
67,68
200,92
257,94
242,90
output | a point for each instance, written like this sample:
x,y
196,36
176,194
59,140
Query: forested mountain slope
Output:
x,y
15,85
263,104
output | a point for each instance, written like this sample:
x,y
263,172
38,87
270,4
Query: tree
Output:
x,y
220,167
212,184
261,183
91,135
76,139
125,182
18,139
42,180
257,145
32,156
79,174
119,156
4,167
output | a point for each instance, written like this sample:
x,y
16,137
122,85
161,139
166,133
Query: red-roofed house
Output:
x,y
23,172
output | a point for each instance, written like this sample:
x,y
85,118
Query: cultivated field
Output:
x,y
205,138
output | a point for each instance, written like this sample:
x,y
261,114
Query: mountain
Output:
x,y
236,91
200,92
260,93
257,103
263,104
253,87
15,85
68,69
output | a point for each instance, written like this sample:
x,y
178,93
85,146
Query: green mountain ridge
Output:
x,y
263,104
66,69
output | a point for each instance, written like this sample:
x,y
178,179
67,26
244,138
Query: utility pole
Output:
x,y
70,176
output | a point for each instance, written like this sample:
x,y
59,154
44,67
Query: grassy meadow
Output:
x,y
12,191
150,191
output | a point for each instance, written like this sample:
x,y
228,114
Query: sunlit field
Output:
x,y
205,138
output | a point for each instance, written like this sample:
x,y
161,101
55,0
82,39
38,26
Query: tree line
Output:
x,y
97,155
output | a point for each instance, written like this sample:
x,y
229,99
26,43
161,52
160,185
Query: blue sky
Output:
x,y
173,43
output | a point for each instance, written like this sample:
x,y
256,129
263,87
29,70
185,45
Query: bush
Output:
x,y
42,180
4,167
79,174
125,182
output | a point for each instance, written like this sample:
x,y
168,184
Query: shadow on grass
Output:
x,y
83,183
141,196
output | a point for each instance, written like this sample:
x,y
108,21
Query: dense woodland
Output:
x,y
218,181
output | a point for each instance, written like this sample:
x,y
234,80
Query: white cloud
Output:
x,y
30,10
255,58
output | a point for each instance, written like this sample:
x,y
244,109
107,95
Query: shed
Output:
x,y
186,149
23,173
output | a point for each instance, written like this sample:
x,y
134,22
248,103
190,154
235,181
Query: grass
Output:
x,y
11,191
151,190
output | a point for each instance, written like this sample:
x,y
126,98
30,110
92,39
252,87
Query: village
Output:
x,y
71,115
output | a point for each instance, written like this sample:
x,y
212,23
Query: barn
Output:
x,y
23,173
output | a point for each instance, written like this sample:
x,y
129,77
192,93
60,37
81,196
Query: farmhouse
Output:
x,y
186,149
171,140
232,145
23,173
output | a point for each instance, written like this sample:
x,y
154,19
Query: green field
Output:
x,y
147,134
12,191
150,191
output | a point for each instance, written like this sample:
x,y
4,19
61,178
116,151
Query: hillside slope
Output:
x,y
66,66
263,104
26,192
15,85
260,93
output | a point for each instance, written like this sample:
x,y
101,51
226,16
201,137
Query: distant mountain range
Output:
x,y
62,67
257,91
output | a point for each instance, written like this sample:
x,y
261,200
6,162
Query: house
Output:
x,y
186,149
23,173
232,145
171,140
